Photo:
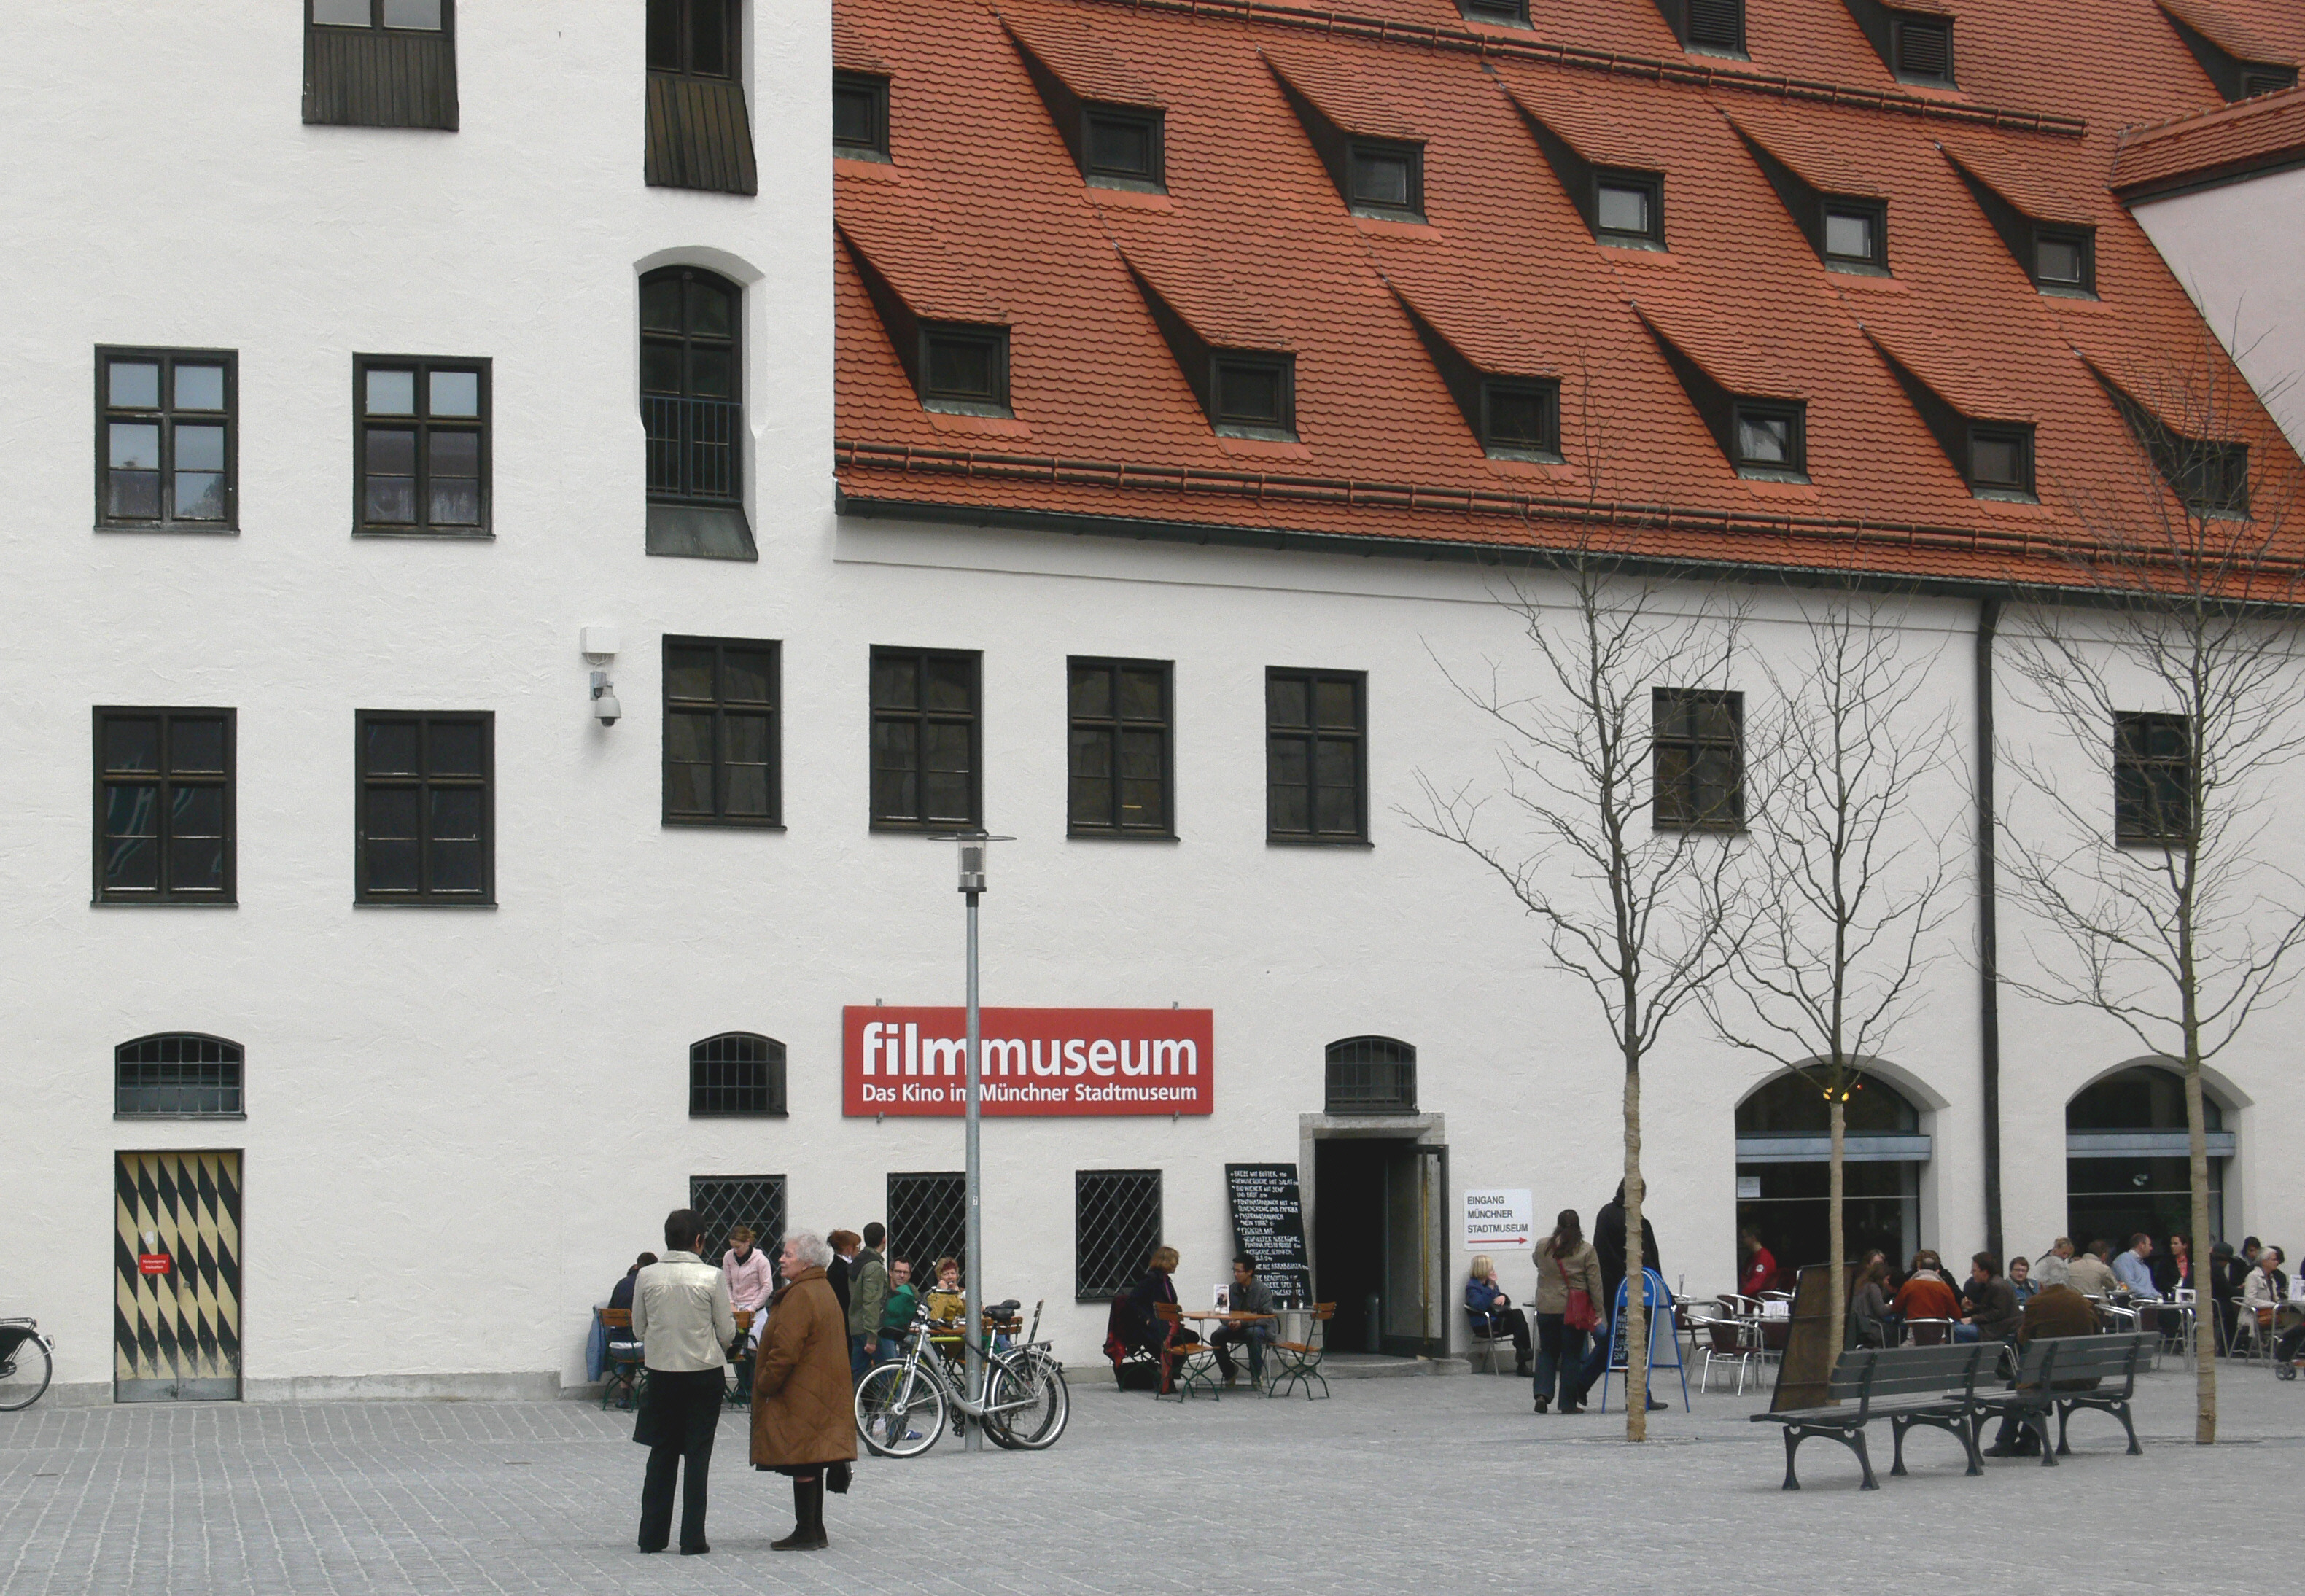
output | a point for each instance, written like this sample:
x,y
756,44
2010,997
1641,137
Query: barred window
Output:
x,y
736,1073
2152,778
1697,747
1371,1075
724,1202
1116,1227
177,1075
928,1219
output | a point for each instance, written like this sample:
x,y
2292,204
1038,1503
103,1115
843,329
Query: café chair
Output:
x,y
1928,1332
1727,1341
1485,1340
1186,1369
622,1371
1298,1362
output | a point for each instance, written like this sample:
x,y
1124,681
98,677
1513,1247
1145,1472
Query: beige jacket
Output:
x,y
681,1315
2091,1276
1583,1268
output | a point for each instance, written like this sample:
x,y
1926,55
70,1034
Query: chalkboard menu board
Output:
x,y
1268,1223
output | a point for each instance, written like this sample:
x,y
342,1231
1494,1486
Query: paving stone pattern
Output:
x,y
1447,1483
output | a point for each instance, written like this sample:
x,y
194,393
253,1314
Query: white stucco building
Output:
x,y
353,418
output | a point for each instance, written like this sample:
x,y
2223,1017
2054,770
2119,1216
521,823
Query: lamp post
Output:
x,y
973,845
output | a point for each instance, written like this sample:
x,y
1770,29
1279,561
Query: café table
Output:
x,y
1219,1317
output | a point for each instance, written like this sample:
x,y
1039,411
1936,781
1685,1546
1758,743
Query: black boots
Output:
x,y
808,1516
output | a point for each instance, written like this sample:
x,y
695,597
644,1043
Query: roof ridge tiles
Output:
x,y
1465,40
2207,145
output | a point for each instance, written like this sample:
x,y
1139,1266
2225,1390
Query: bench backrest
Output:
x,y
2053,1359
1866,1372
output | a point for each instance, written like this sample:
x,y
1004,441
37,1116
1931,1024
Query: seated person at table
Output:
x,y
749,1280
1993,1312
2091,1273
2021,1281
1926,1296
897,1317
1871,1317
2054,1311
947,1303
1760,1270
1145,1299
621,1296
1493,1314
1249,1295
2132,1269
2264,1290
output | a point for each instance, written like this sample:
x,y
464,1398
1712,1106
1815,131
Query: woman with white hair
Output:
x,y
804,1426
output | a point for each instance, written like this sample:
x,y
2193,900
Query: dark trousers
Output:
x,y
860,1356
1559,1359
1597,1359
1513,1322
1232,1336
678,1420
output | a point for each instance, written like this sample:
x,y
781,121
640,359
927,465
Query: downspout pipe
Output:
x,y
1989,933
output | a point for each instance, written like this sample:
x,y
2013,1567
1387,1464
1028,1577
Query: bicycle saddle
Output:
x,y
1007,1310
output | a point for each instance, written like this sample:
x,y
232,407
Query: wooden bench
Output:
x,y
2110,1361
1935,1386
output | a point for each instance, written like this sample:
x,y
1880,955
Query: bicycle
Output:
x,y
901,1405
27,1363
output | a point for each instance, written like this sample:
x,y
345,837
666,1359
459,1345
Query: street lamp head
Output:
x,y
973,846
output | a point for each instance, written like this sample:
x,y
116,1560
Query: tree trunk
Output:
x,y
1836,1234
1636,1320
2205,1302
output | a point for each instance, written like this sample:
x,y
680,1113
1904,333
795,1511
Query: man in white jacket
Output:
x,y
683,1320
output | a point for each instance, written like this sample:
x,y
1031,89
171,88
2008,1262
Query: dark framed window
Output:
x,y
2064,259
697,37
163,806
735,1072
1316,755
691,378
1508,14
2210,476
381,63
1629,208
964,368
1697,758
1715,25
1119,749
1921,50
1387,178
1771,436
1520,419
167,439
1855,233
178,1074
926,740
860,116
426,826
928,1219
1122,145
421,458
2152,778
724,1202
2266,79
1252,395
2000,459
1116,1229
722,743
1370,1074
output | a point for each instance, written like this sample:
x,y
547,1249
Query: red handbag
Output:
x,y
1579,1314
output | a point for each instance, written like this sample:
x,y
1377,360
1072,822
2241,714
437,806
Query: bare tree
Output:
x,y
1644,913
1840,943
2188,677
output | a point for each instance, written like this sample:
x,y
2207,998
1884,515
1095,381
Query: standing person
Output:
x,y
845,1244
868,1299
1566,1262
1608,1246
1486,1299
2056,1267
803,1414
897,1316
1249,1295
1760,1265
682,1318
749,1278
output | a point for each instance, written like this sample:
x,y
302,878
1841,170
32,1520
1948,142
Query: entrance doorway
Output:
x,y
1784,1172
1377,1231
177,1277
2128,1163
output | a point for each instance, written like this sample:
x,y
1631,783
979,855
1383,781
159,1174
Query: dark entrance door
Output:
x,y
1377,1231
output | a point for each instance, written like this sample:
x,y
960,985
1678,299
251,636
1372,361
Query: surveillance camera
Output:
x,y
605,707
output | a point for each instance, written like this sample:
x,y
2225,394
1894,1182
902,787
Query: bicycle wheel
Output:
x,y
899,1411
1039,1384
24,1374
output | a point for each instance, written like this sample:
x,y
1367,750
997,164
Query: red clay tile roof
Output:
x,y
2213,146
1253,246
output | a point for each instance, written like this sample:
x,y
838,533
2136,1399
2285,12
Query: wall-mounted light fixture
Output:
x,y
600,644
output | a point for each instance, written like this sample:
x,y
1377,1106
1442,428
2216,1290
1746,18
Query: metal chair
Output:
x,y
1727,1341
1928,1332
621,1367
1483,1339
1186,1369
1298,1362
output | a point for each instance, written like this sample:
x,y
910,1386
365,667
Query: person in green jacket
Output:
x,y
868,1299
897,1317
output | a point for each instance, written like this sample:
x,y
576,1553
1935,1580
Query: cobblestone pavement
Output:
x,y
1447,1482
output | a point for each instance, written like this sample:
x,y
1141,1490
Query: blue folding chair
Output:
x,y
1662,1334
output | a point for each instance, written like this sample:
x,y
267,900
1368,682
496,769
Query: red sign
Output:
x,y
1034,1061
151,1263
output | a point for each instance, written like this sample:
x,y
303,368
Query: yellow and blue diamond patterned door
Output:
x,y
177,1277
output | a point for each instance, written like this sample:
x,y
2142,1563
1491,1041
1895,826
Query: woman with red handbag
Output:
x,y
1568,1309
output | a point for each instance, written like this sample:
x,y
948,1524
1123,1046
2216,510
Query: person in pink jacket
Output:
x,y
749,1280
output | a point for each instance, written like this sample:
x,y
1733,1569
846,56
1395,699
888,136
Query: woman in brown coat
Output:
x,y
1566,1262
804,1418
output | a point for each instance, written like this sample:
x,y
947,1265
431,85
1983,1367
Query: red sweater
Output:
x,y
1925,1296
1758,1273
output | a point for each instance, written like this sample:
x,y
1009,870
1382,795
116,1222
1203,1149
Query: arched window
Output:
x,y
1372,1075
693,410
2128,1161
177,1075
1792,1104
1785,1171
2144,1096
736,1073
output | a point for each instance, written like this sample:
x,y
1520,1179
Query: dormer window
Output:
x,y
1520,419
860,116
1388,180
2000,460
1855,233
965,368
1252,395
1121,146
1920,50
1769,439
1709,26
1629,208
2266,79
2233,61
1502,13
695,37
2064,259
